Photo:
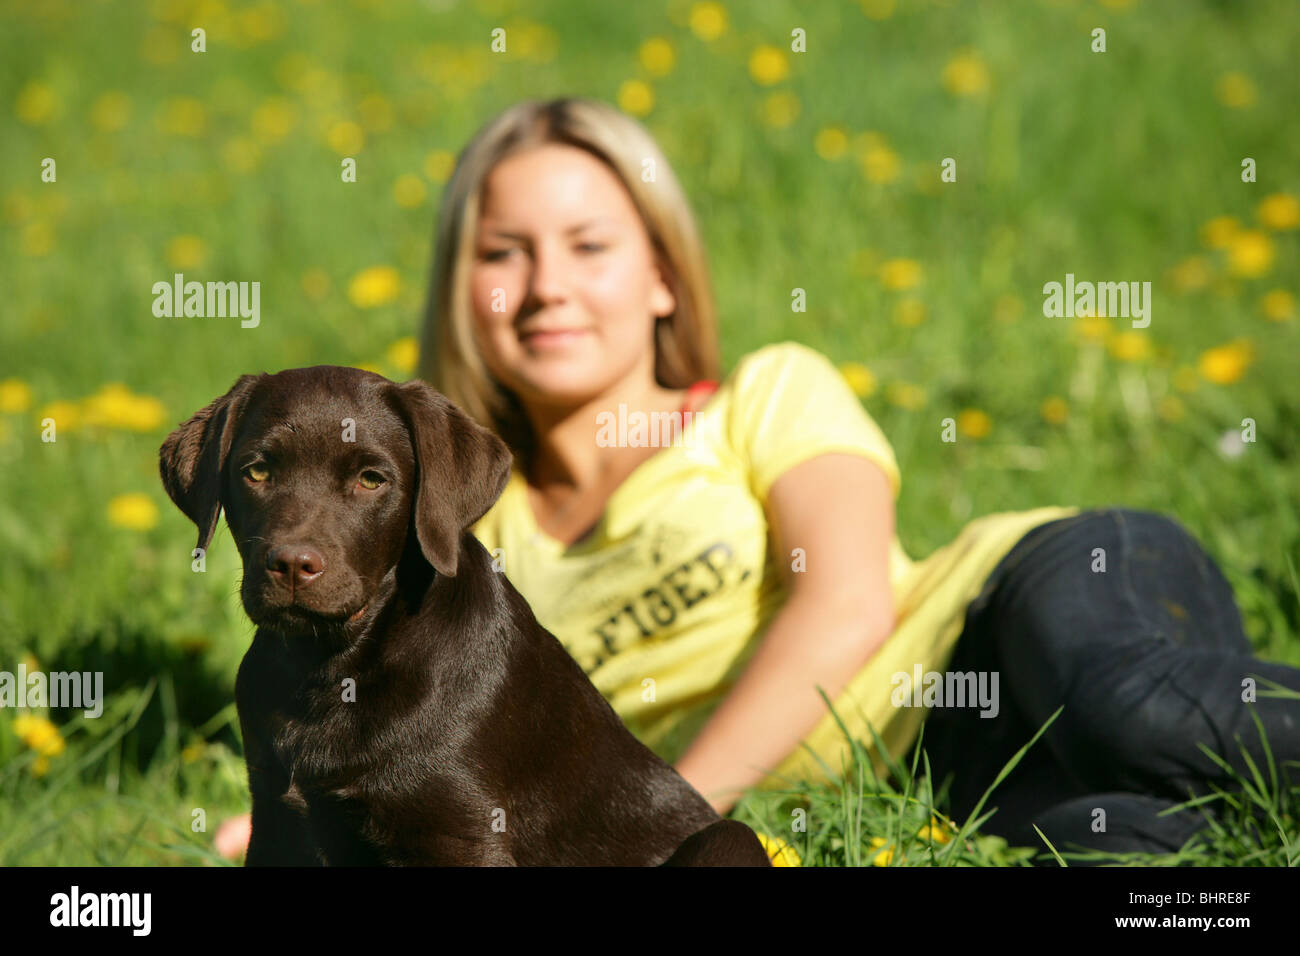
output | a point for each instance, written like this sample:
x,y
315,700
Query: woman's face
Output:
x,y
563,285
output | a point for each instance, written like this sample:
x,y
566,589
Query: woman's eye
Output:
x,y
370,480
592,247
257,473
496,255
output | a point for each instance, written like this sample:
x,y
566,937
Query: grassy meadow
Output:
x,y
817,170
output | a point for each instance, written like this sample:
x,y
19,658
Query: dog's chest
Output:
x,y
384,798
323,756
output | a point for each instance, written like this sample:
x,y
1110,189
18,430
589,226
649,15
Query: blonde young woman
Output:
x,y
708,588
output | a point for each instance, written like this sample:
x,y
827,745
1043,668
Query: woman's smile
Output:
x,y
550,339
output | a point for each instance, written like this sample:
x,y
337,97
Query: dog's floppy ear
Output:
x,y
461,470
193,457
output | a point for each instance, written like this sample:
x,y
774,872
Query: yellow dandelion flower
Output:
x,y
376,113
42,736
966,75
636,97
37,104
898,275
880,165
345,138
778,851
439,164
831,143
185,252
39,734
974,423
1225,364
881,857
1236,91
1279,211
909,313
259,23
409,191
877,9
1185,379
1191,274
320,88
65,415
403,354
859,377
115,406
274,120
373,287
768,65
104,406
1054,410
780,109
1250,254
905,395
241,154
708,21
182,116
1278,305
111,111
1092,328
37,239
17,207
936,831
1219,231
161,46
134,511
193,751
1171,408
15,396
657,56
1129,345
543,43
866,141
315,284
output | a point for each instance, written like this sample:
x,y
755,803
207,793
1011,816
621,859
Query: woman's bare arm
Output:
x,y
839,508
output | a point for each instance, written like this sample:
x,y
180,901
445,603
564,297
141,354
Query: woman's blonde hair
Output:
x,y
685,342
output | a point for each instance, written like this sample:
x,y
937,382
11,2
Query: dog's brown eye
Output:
x,y
370,480
257,472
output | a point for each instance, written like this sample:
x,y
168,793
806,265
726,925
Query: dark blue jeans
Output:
x,y
1147,657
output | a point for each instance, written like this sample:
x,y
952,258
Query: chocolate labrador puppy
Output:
x,y
400,703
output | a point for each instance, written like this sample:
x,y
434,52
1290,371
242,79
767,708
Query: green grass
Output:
x,y
1103,165
860,819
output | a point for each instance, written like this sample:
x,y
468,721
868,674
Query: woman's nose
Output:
x,y
548,279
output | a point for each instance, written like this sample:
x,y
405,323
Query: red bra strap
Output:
x,y
700,389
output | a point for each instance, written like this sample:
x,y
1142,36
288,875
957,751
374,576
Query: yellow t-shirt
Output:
x,y
665,601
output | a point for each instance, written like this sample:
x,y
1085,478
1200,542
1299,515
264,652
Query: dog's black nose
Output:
x,y
302,565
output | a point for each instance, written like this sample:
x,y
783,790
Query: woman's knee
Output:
x,y
1177,587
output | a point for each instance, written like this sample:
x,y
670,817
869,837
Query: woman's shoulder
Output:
x,y
759,373
782,368
790,402
784,354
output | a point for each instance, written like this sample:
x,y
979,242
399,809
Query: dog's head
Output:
x,y
324,473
